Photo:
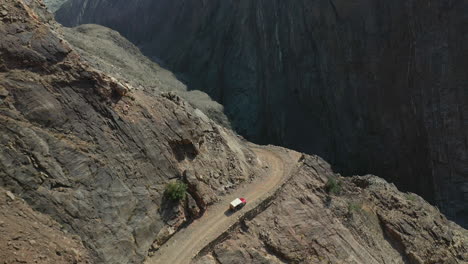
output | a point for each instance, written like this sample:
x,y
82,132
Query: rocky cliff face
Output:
x,y
372,86
96,153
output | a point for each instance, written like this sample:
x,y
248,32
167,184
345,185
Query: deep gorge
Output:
x,y
372,86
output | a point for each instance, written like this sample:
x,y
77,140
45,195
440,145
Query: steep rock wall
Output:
x,y
372,86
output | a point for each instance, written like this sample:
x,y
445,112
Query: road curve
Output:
x,y
186,243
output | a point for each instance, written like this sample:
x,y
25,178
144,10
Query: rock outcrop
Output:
x,y
372,86
94,152
363,220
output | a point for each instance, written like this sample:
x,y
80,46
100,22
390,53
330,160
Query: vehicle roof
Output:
x,y
236,202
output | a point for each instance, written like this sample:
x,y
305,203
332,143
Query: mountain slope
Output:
x,y
95,153
54,5
108,51
372,86
30,237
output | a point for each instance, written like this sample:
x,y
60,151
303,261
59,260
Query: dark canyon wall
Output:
x,y
373,86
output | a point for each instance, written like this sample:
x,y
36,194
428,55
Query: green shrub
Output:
x,y
176,190
354,207
410,197
333,185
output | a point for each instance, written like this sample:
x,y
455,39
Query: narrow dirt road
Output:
x,y
186,243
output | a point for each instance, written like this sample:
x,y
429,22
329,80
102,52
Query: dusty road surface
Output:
x,y
186,243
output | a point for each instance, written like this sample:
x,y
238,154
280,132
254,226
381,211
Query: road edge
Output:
x,y
249,215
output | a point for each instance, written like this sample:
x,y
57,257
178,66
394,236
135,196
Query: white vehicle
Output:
x,y
237,204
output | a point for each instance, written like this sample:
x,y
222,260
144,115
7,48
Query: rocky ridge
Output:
x,y
111,53
371,86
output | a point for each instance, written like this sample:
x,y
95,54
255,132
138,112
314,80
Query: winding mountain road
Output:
x,y
188,242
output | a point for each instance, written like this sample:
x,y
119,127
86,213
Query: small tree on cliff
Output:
x,y
176,190
333,185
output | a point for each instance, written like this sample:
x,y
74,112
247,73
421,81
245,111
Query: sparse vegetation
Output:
x,y
333,186
410,197
354,207
176,190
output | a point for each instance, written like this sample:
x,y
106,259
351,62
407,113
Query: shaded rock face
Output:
x,y
53,5
368,221
95,153
372,86
111,53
